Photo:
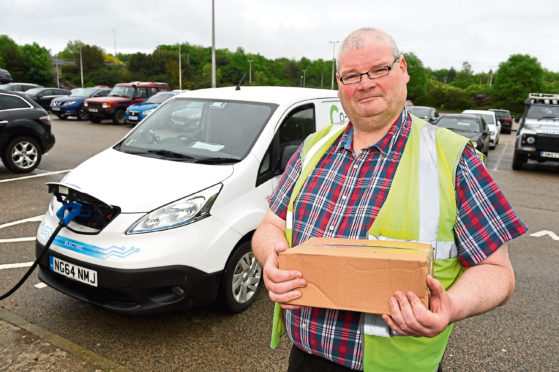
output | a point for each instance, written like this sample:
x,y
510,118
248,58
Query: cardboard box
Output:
x,y
359,275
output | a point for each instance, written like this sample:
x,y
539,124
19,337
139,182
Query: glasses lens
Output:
x,y
379,72
351,79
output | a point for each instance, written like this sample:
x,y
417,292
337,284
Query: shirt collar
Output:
x,y
400,128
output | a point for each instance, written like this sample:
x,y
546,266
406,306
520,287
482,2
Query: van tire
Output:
x,y
242,279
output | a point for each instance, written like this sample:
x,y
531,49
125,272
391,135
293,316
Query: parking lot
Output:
x,y
522,336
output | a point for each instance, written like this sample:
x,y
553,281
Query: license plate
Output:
x,y
93,110
547,154
69,270
132,118
55,108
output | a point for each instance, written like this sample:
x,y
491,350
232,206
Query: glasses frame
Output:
x,y
389,68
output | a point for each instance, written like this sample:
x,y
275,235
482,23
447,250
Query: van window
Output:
x,y
202,131
298,124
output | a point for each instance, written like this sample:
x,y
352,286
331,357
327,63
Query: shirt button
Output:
x,y
344,197
331,228
355,166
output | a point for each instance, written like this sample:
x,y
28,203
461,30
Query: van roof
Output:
x,y
277,95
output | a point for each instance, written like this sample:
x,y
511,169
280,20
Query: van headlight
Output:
x,y
178,213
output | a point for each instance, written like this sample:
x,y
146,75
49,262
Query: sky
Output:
x,y
443,34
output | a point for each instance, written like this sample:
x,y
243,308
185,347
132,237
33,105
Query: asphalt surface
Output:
x,y
43,330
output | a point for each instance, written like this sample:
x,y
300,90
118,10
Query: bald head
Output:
x,y
364,37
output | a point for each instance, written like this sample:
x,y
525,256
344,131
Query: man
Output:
x,y
386,176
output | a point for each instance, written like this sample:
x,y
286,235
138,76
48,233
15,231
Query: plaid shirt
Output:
x,y
342,198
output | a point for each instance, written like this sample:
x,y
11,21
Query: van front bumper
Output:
x,y
135,291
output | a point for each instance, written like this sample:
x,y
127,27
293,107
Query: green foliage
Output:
x,y
11,55
447,97
515,79
417,86
36,64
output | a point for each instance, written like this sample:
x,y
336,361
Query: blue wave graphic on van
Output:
x,y
92,250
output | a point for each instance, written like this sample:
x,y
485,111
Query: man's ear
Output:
x,y
404,66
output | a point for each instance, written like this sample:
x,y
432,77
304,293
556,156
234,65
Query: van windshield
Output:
x,y
205,131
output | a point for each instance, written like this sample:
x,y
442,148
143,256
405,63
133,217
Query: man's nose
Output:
x,y
366,83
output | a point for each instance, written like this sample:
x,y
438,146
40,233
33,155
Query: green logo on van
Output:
x,y
333,109
337,116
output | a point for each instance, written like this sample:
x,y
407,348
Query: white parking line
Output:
x,y
30,219
15,265
34,176
18,240
500,157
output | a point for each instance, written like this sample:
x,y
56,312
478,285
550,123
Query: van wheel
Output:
x,y
118,117
242,279
22,154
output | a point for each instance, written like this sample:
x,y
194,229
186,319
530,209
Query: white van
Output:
x,y
174,204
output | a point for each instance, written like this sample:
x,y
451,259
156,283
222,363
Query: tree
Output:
x,y
37,64
515,79
417,87
11,55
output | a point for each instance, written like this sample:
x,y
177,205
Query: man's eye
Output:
x,y
351,77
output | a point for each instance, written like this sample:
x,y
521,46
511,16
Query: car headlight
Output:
x,y
528,139
178,213
85,104
106,105
69,103
147,112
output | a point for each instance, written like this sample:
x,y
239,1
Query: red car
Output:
x,y
121,96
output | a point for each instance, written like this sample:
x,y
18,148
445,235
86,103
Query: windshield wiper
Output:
x,y
170,154
218,160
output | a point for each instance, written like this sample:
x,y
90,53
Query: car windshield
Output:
x,y
543,112
419,111
159,98
33,91
204,131
82,92
464,124
120,91
4,86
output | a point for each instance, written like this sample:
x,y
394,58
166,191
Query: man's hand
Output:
x,y
282,284
411,317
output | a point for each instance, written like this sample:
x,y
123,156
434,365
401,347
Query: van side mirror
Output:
x,y
287,153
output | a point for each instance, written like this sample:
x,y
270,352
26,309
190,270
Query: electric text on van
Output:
x,y
175,203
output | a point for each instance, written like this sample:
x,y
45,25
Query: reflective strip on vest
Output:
x,y
429,213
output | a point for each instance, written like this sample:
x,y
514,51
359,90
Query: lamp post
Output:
x,y
333,59
81,65
114,40
213,44
180,68
250,71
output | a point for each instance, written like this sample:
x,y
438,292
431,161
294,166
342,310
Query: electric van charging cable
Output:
x,y
74,210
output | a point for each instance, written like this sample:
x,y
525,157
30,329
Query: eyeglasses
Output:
x,y
371,74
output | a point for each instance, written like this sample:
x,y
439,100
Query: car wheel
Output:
x,y
518,160
242,279
22,155
83,114
118,117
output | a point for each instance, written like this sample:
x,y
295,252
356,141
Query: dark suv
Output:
x,y
25,132
504,118
538,136
121,96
